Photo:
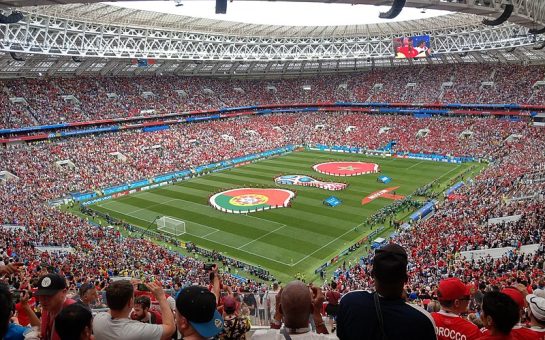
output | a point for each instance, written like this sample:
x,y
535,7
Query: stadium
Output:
x,y
150,146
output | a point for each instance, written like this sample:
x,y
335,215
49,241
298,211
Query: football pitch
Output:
x,y
289,240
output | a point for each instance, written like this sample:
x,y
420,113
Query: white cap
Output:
x,y
540,293
537,306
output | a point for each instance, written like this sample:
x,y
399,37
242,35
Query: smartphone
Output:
x,y
17,294
142,287
209,266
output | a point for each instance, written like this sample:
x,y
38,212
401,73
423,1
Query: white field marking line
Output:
x,y
216,230
232,247
119,200
259,218
179,199
359,225
412,166
207,227
322,247
262,219
149,206
197,223
456,168
262,236
210,233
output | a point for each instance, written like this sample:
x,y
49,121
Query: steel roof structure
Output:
x,y
526,12
113,15
96,38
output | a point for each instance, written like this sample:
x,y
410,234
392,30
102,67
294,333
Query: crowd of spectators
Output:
x,y
57,100
513,184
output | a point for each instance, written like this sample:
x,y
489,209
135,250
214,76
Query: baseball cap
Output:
x,y
452,289
390,264
229,302
50,284
537,306
515,295
198,305
539,292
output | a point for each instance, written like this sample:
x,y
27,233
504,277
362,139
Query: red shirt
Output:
x,y
409,53
333,297
48,323
496,337
451,326
22,316
521,332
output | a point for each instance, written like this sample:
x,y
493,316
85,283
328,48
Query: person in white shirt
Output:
x,y
116,324
271,300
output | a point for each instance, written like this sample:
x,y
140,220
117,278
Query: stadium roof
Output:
x,y
526,12
108,14
75,25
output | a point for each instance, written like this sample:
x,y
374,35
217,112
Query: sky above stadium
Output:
x,y
281,13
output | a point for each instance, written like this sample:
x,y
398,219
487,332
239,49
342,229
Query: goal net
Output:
x,y
171,226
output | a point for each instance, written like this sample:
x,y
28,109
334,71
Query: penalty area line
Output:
x,y
327,244
262,236
232,247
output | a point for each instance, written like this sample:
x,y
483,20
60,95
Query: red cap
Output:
x,y
229,302
515,295
452,289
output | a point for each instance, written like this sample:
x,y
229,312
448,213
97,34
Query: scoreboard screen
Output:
x,y
417,46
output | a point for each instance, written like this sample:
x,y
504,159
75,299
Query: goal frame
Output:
x,y
170,225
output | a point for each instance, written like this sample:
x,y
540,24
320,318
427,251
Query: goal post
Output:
x,y
171,225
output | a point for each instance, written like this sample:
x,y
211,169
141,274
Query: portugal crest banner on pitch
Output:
x,y
246,200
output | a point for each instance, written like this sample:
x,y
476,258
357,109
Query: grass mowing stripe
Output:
x,y
286,240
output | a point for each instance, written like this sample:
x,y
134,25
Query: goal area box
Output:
x,y
171,225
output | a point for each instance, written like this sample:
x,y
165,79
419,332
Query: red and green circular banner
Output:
x,y
346,168
245,200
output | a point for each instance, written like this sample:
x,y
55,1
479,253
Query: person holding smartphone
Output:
x,y
116,323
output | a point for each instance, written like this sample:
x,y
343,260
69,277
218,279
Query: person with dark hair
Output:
x,y
499,314
141,311
75,322
234,327
332,296
454,297
196,313
116,323
384,314
6,309
87,295
51,293
407,50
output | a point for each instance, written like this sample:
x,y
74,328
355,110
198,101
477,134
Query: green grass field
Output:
x,y
285,240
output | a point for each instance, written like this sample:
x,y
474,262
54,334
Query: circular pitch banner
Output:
x,y
346,168
246,200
